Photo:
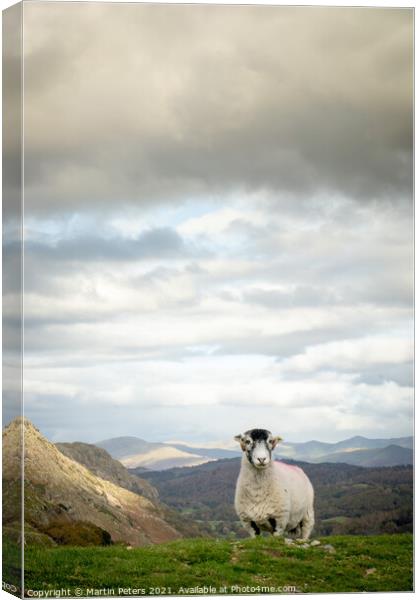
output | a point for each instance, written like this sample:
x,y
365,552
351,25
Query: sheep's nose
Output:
x,y
261,461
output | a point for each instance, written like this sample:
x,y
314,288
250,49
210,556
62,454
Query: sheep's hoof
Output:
x,y
277,534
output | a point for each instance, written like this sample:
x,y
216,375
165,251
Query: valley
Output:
x,y
348,499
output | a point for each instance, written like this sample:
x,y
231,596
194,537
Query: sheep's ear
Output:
x,y
276,440
240,438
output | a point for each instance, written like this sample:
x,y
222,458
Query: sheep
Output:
x,y
271,495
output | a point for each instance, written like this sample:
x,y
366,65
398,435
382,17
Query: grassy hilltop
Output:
x,y
356,563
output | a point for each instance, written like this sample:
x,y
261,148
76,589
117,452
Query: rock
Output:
x,y
289,542
329,548
370,571
315,543
304,546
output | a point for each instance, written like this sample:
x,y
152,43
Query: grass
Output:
x,y
359,563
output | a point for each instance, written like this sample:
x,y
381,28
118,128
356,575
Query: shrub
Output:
x,y
77,533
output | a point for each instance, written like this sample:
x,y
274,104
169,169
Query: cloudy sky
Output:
x,y
218,226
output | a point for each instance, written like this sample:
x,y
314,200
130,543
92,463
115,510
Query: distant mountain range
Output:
x,y
358,450
318,450
389,456
136,453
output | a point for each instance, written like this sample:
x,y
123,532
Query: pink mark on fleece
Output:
x,y
285,467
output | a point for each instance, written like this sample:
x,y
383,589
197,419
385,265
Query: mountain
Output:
x,y
100,463
348,499
135,452
65,502
163,458
127,446
216,453
376,457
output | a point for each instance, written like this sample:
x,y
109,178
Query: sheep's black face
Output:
x,y
258,444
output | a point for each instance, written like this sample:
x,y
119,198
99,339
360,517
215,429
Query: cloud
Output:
x,y
299,296
155,243
197,101
370,360
289,284
352,355
191,401
218,225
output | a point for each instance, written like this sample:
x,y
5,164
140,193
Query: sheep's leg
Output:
x,y
273,524
298,530
307,525
252,528
255,528
279,523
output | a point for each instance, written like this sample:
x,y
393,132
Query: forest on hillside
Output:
x,y
348,499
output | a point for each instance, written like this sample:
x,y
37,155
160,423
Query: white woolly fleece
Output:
x,y
280,491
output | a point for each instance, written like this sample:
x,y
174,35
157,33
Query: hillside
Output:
x,y
348,499
65,501
135,452
266,564
217,453
163,458
126,446
101,463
